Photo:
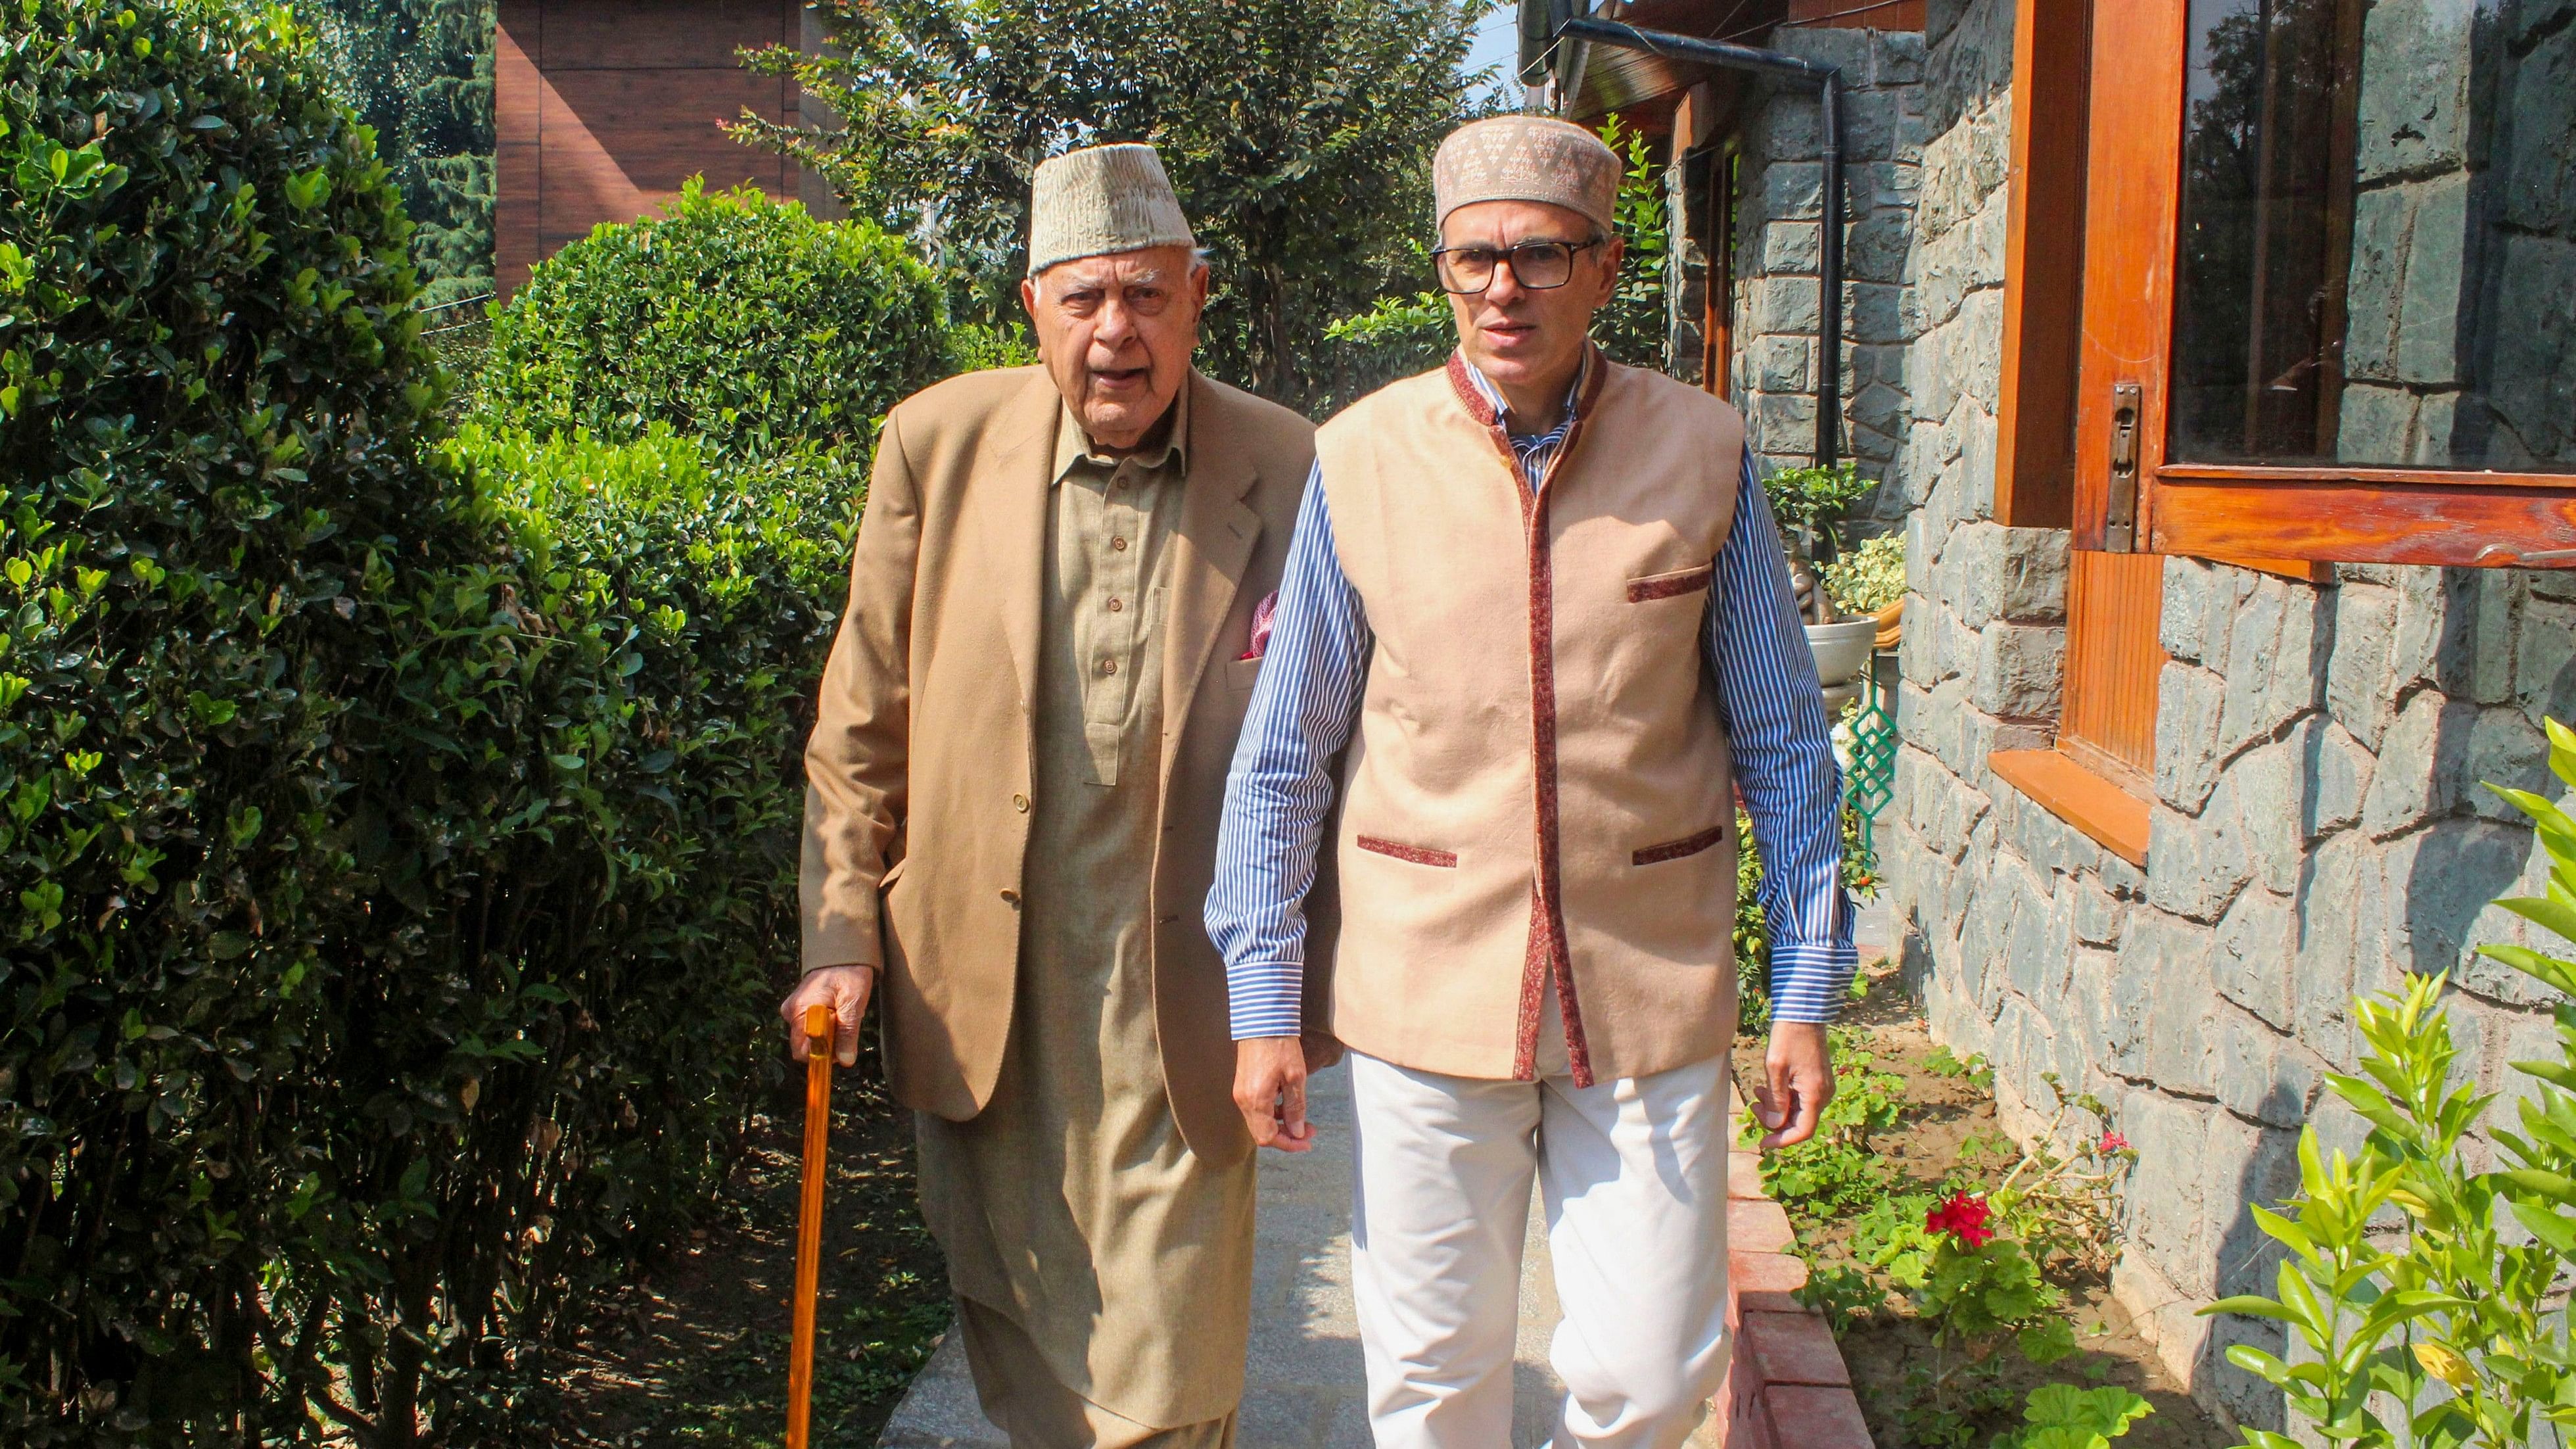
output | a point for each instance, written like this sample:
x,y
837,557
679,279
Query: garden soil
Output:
x,y
696,1354
1946,1116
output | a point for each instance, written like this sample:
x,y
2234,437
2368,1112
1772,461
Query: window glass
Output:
x,y
2378,235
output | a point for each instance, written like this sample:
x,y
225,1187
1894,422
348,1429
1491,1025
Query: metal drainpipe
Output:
x,y
1828,82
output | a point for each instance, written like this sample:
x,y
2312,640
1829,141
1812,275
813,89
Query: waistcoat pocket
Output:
x,y
1672,585
1688,845
1418,854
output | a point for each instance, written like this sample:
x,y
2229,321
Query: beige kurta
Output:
x,y
1071,1203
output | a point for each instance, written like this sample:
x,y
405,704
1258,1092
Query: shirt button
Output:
x,y
1020,803
1118,543
1115,606
1109,666
1011,898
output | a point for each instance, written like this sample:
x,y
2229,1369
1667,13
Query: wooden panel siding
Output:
x,y
603,108
2114,602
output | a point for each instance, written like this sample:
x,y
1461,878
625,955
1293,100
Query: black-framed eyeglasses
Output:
x,y
1536,265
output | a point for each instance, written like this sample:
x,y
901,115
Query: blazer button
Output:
x,y
1011,897
1020,803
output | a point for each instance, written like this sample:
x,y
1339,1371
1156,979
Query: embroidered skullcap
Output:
x,y
1100,200
1526,158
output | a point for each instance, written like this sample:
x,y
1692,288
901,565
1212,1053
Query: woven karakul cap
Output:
x,y
1527,158
1100,200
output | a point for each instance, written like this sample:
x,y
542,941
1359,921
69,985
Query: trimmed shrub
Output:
x,y
211,388
401,832
732,317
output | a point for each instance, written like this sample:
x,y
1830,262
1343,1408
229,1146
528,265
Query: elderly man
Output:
x,y
1538,608
1013,789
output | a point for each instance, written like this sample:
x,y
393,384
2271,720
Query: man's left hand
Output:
x,y
1798,1073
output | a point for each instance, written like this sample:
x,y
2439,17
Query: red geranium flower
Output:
x,y
2111,1142
1962,1217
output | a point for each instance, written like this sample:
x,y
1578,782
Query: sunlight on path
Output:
x,y
1303,1390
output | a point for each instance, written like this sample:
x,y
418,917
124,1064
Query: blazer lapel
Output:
x,y
1012,492
1217,535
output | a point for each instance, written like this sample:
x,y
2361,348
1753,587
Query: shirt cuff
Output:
x,y
1267,998
1810,980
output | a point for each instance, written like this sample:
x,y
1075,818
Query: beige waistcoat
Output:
x,y
1539,796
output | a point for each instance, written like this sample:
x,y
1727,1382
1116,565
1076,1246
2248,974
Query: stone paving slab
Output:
x,y
1304,1386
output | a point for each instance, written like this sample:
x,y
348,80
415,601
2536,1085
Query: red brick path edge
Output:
x,y
1786,1387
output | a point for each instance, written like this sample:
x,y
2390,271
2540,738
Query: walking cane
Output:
x,y
809,1224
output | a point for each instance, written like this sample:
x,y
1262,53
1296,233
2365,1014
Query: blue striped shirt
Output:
x,y
1307,704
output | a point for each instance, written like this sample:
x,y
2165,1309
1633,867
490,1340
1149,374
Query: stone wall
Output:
x,y
1779,253
2461,343
2316,830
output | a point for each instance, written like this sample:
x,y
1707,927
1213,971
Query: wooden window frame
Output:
x,y
2284,516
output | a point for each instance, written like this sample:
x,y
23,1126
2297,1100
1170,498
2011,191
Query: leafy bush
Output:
x,y
732,317
1870,577
2062,1416
2455,1332
400,833
1809,501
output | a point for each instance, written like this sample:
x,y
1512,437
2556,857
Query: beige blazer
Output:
x,y
919,769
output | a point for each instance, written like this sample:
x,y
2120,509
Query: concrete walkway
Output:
x,y
1304,1384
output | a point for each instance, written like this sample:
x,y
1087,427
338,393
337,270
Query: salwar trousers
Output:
x,y
1632,1176
1025,1400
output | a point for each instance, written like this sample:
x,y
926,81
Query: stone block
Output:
x,y
2497,598
1785,304
2271,791
2436,628
2545,660
1780,364
2428,341
2196,866
2198,602
2245,1164
2181,1027
2251,708
2261,1073
2414,113
2020,670
1793,127
2442,880
1792,246
2254,963
2359,688
2172,1138
2418,773
2381,218
2039,950
1899,60
1782,416
2188,703
1845,50
1793,190
2377,423
2031,580
2505,748
1874,125
2536,353
2338,774
1876,246
1876,407
2097,912
1878,312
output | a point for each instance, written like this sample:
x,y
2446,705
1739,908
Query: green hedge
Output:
x,y
732,317
400,832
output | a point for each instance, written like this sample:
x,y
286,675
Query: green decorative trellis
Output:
x,y
1870,782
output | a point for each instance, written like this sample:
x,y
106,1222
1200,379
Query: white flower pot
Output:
x,y
1842,650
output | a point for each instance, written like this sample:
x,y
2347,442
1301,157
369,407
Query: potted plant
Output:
x,y
1808,502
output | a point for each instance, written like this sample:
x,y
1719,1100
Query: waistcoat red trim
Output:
x,y
1547,960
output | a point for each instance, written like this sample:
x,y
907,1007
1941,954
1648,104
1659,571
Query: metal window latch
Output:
x,y
2120,517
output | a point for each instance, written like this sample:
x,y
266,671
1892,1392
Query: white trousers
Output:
x,y
1633,1178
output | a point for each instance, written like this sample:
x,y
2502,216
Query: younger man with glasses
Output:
x,y
1537,608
